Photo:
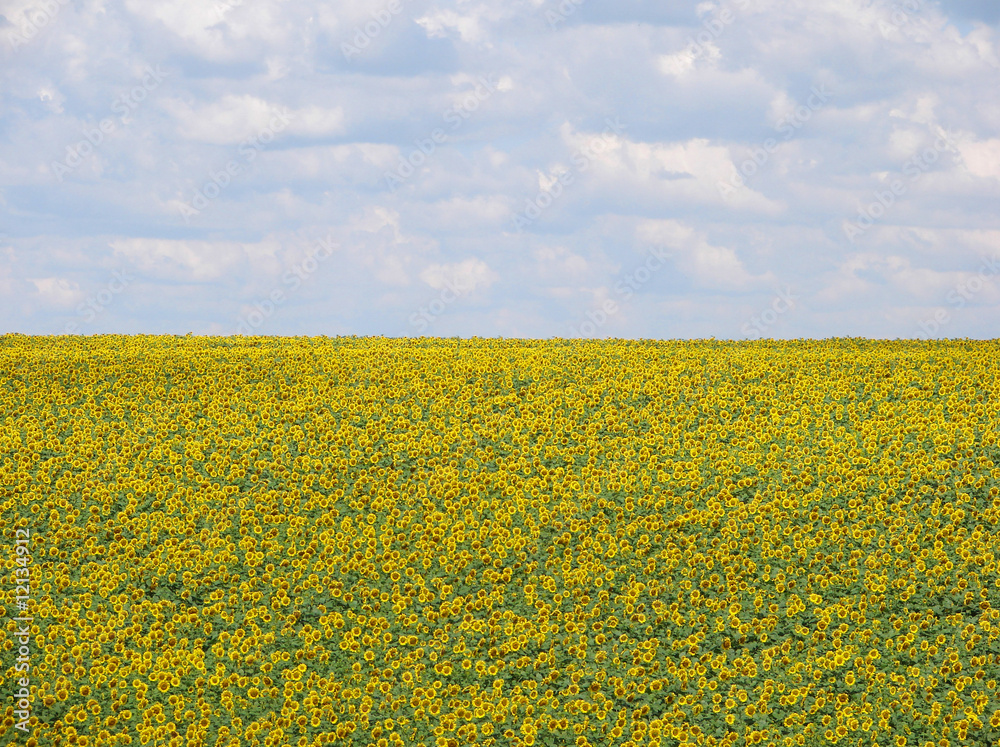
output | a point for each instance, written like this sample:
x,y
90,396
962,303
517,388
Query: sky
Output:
x,y
742,169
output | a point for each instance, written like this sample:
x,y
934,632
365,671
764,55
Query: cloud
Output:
x,y
235,118
443,23
710,266
679,64
57,292
183,261
688,171
982,158
465,276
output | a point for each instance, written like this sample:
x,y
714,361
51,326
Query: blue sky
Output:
x,y
514,168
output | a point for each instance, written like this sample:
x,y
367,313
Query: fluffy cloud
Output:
x,y
465,276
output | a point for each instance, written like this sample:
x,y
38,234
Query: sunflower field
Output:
x,y
377,542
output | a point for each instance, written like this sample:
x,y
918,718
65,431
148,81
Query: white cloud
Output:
x,y
689,59
224,30
235,118
465,276
52,98
315,121
185,261
57,292
982,157
845,284
197,22
468,213
711,266
689,171
439,23
470,27
560,263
